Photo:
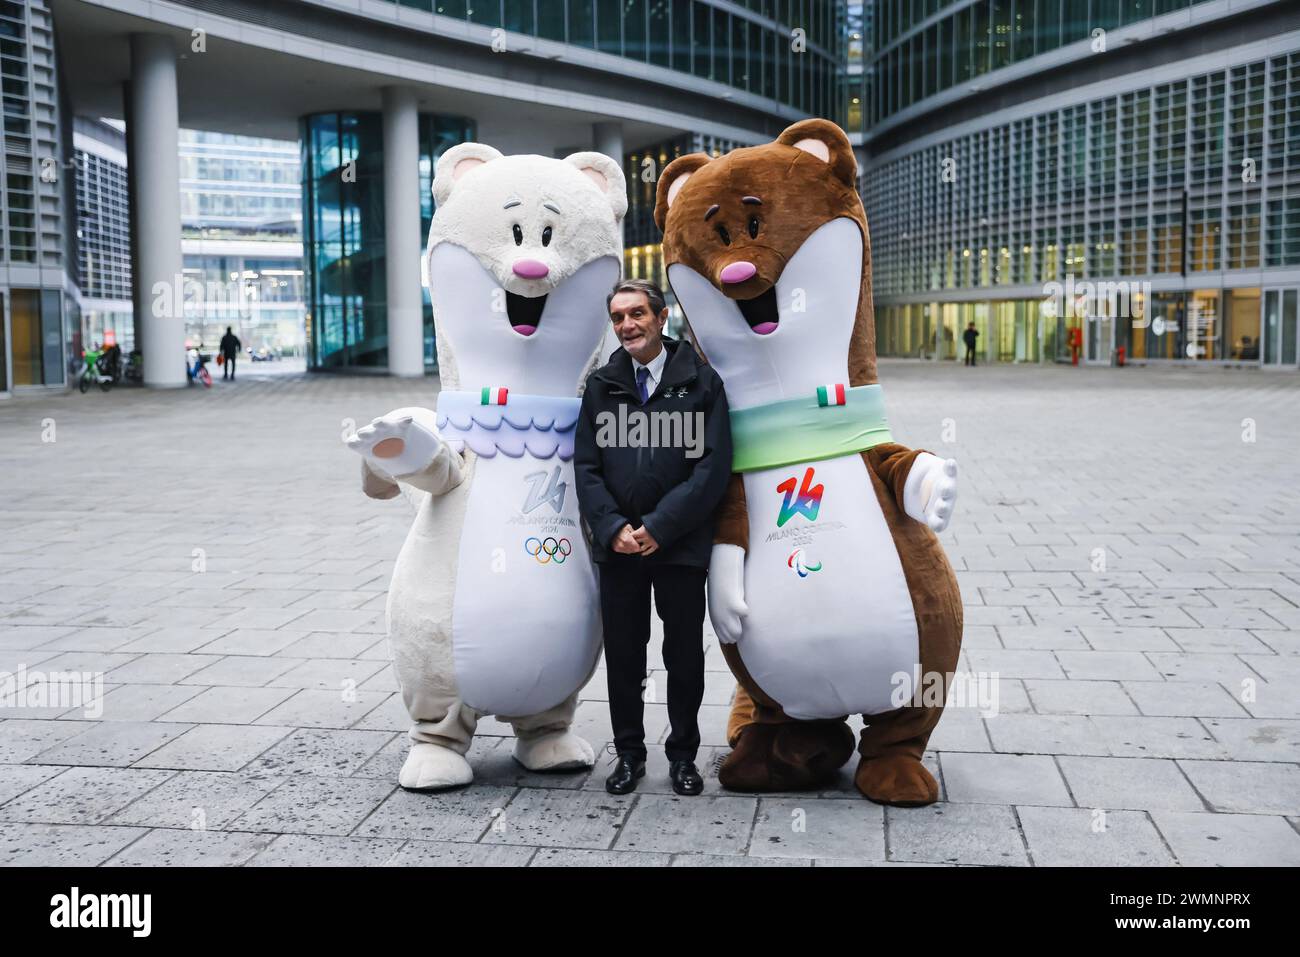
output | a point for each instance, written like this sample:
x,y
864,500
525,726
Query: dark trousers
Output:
x,y
625,585
970,355
229,364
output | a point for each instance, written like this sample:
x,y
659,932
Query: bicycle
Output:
x,y
199,371
92,372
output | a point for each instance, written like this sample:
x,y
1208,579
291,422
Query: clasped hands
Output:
x,y
634,541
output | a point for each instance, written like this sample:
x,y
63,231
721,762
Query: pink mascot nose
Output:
x,y
738,272
530,269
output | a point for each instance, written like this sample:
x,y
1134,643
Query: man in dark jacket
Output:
x,y
652,458
970,337
229,353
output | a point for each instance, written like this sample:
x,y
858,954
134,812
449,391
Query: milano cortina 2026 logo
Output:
x,y
800,498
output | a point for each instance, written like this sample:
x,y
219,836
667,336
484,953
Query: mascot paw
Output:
x,y
799,756
558,751
400,443
896,779
726,592
931,490
430,767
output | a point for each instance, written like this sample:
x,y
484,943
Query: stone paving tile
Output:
x,y
1184,699
214,747
687,825
316,850
1245,788
557,818
1128,783
445,854
1229,840
1004,779
567,857
310,805
1078,837
167,848
138,702
201,800
244,670
18,778
62,845
1251,739
1047,734
82,795
1127,687
463,815
1079,697
113,743
254,641
1157,737
955,834
720,860
803,828
323,753
311,708
231,705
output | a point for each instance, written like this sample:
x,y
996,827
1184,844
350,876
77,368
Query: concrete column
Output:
x,y
153,135
403,243
607,138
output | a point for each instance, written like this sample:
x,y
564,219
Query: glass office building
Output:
x,y
1034,174
745,44
38,269
343,233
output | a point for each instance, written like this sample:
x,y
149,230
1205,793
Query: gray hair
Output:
x,y
654,295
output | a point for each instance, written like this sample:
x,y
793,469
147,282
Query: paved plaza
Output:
x,y
1128,546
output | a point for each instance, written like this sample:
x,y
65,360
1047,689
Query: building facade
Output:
x,y
1112,180
241,241
103,238
38,275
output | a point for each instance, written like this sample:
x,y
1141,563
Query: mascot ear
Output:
x,y
826,141
606,174
672,180
455,163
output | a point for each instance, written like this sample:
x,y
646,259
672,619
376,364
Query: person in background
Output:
x,y
230,345
970,336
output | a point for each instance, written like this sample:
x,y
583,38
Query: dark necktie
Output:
x,y
642,374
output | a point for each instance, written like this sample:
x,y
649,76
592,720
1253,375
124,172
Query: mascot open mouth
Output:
x,y
761,312
524,312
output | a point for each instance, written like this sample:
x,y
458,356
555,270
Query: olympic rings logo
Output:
x,y
548,549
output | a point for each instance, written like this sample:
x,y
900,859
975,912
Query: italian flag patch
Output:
x,y
830,394
493,395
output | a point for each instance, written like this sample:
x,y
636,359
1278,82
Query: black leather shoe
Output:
x,y
686,780
626,773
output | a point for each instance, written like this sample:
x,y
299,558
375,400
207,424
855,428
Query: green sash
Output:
x,y
802,430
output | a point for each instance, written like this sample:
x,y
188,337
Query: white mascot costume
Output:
x,y
493,606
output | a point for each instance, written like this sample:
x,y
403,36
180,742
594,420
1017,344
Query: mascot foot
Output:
x,y
430,767
897,779
557,751
798,756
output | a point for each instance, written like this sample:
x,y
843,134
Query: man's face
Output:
x,y
638,329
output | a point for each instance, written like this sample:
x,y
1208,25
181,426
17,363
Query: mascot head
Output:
x,y
522,251
766,249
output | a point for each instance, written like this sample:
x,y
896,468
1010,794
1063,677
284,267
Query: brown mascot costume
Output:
x,y
828,588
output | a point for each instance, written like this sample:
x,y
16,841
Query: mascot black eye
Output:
x,y
726,236
753,227
519,235
546,236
